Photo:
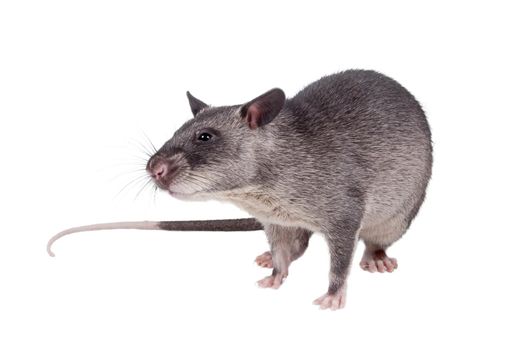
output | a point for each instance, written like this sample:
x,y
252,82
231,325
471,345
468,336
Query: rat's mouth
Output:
x,y
165,171
173,175
167,180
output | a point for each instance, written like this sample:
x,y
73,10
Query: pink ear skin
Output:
x,y
261,110
253,116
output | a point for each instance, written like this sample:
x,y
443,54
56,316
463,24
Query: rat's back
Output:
x,y
369,128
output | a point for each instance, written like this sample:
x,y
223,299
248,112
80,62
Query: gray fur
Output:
x,y
286,245
349,156
196,105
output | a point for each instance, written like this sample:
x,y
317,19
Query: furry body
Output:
x,y
349,156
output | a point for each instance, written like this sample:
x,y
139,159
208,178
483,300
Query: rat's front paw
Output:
x,y
273,281
332,301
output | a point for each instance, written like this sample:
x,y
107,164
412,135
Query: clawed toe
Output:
x,y
378,261
273,281
265,260
332,301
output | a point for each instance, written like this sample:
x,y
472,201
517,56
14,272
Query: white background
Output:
x,y
81,84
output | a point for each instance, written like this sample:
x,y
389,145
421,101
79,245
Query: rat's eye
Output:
x,y
204,136
207,135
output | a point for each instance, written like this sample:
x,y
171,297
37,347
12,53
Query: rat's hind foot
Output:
x,y
273,281
332,301
265,260
377,261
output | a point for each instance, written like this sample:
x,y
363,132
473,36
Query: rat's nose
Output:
x,y
159,170
158,167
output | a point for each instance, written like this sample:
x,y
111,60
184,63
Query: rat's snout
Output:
x,y
159,168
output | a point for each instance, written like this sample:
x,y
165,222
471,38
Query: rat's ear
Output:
x,y
196,105
261,110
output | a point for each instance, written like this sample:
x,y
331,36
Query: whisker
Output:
x,y
143,187
128,172
155,191
154,194
134,181
124,164
151,143
198,182
140,146
204,180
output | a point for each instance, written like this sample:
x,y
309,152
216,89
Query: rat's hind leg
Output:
x,y
264,260
375,259
377,239
286,245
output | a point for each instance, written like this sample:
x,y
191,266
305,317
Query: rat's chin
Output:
x,y
182,190
180,194
176,189
184,194
191,196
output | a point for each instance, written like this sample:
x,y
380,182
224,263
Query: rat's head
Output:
x,y
216,151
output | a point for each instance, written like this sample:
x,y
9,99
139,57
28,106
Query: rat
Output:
x,y
349,157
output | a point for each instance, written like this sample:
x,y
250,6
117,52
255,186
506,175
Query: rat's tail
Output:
x,y
204,225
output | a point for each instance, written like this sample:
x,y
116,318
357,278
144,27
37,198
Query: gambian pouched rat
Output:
x,y
349,156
